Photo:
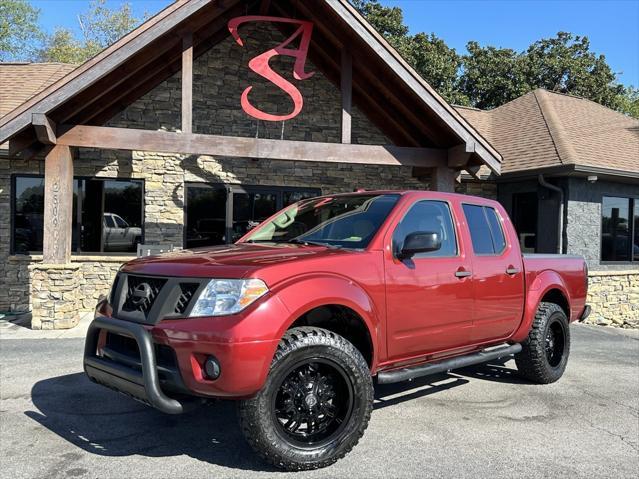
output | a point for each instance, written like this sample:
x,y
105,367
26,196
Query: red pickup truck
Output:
x,y
299,318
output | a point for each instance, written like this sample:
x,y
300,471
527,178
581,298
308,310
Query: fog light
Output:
x,y
212,368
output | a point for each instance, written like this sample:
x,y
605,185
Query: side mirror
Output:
x,y
420,242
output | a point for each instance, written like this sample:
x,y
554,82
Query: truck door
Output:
x,y
429,296
498,277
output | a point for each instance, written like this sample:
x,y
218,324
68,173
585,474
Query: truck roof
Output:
x,y
422,193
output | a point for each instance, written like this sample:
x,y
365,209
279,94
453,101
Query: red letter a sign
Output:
x,y
260,64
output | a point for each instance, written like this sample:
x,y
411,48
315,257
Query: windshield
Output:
x,y
341,221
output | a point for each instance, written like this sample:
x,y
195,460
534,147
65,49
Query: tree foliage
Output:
x,y
487,77
19,29
100,26
491,76
435,61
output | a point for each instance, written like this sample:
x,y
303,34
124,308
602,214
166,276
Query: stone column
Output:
x,y
55,300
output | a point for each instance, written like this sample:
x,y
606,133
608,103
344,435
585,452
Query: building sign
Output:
x,y
260,64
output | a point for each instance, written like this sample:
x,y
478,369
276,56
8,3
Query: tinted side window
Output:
x,y
485,229
499,241
428,216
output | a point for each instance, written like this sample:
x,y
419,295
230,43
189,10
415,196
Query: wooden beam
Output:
x,y
474,171
21,141
187,83
44,128
346,84
458,156
240,147
58,201
443,179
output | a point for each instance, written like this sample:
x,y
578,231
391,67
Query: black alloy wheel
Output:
x,y
555,343
313,402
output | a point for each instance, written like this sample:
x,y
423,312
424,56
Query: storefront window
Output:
x,y
618,240
107,215
221,214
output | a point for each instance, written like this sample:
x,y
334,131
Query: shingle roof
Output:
x,y
545,129
21,81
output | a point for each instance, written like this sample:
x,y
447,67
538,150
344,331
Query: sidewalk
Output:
x,y
18,328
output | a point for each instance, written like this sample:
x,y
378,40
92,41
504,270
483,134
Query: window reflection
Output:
x,y
28,216
205,216
207,221
615,229
110,217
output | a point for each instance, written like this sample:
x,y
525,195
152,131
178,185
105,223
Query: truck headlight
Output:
x,y
227,296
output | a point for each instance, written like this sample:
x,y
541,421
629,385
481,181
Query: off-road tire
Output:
x,y
533,362
262,429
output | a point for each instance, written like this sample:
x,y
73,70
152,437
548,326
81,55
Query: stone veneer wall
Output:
x,y
55,297
614,298
583,218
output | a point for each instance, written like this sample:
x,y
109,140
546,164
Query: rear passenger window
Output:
x,y
485,229
428,216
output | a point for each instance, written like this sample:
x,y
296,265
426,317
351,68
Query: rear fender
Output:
x,y
544,282
302,294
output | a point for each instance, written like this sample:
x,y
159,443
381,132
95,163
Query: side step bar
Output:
x,y
404,374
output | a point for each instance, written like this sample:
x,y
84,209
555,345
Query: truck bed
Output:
x,y
569,268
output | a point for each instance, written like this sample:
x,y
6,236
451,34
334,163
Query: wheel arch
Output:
x,y
548,286
336,304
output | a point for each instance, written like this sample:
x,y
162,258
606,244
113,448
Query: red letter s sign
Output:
x,y
260,64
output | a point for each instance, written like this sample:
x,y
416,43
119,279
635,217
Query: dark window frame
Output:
x,y
501,227
238,188
76,221
632,212
452,222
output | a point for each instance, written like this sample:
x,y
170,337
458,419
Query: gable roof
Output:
x,y
544,129
21,81
142,59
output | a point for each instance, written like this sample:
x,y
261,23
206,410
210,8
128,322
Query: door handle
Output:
x,y
463,273
511,271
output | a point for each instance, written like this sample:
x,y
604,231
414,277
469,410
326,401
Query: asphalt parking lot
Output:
x,y
477,422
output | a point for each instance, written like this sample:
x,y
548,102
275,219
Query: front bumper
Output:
x,y
139,380
164,364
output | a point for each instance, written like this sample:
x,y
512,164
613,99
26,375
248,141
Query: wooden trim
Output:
x,y
187,83
458,156
21,142
346,86
240,147
58,200
44,128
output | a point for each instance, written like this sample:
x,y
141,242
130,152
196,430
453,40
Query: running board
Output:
x,y
404,374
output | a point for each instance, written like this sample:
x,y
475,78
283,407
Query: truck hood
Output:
x,y
229,261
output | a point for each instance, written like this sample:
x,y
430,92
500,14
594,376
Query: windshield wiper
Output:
x,y
314,243
296,241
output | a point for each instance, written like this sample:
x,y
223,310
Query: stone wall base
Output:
x,y
55,298
614,298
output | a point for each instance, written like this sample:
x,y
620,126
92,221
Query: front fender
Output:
x,y
302,294
543,282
